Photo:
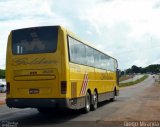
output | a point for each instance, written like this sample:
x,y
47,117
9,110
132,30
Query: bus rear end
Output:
x,y
34,68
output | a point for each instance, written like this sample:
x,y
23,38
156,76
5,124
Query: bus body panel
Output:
x,y
104,81
36,71
52,79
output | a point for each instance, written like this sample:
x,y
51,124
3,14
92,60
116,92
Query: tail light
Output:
x,y
8,88
63,87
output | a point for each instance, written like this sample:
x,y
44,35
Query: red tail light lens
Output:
x,y
8,88
63,87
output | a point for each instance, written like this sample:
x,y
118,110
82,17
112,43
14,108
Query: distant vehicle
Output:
x,y
2,88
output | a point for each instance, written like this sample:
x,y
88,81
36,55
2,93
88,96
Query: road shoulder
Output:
x,y
143,107
2,98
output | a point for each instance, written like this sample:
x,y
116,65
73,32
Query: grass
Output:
x,y
133,82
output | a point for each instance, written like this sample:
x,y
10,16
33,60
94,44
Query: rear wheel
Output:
x,y
95,101
114,94
87,103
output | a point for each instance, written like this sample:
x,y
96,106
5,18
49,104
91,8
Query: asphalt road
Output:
x,y
131,105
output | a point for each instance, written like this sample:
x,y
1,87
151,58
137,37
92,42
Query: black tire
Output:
x,y
87,107
95,101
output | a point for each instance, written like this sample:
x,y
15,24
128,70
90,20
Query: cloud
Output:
x,y
125,29
128,29
26,13
157,61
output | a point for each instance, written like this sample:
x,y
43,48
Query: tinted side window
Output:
x,y
83,54
97,59
111,64
115,65
89,56
77,51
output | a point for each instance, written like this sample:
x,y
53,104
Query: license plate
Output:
x,y
33,91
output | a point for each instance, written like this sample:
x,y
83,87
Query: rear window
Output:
x,y
35,40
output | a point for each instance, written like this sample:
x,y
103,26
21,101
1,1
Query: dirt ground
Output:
x,y
143,107
2,98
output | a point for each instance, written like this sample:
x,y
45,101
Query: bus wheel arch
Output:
x,y
89,91
96,91
114,94
115,91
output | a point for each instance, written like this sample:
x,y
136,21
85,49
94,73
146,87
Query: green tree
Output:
x,y
135,69
153,68
129,71
2,74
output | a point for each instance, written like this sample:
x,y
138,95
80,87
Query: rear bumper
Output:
x,y
37,102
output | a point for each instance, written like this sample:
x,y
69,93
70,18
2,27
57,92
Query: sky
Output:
x,y
128,30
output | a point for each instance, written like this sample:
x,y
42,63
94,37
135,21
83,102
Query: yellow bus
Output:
x,y
49,66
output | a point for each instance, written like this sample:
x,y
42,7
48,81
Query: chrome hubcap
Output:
x,y
88,102
95,100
